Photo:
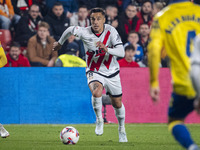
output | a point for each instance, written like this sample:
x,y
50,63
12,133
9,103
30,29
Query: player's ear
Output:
x,y
104,19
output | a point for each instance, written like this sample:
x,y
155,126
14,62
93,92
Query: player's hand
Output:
x,y
10,17
115,23
51,63
197,105
56,46
155,94
101,46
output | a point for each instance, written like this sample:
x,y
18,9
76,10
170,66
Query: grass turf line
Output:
x,y
140,137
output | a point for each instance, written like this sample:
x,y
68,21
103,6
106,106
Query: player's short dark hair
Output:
x,y
129,47
83,6
146,1
34,4
144,24
97,10
43,24
15,44
133,5
57,4
159,5
131,32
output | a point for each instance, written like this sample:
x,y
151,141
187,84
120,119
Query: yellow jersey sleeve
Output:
x,y
3,59
154,52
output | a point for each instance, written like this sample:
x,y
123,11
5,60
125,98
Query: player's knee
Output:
x,y
116,104
97,93
173,123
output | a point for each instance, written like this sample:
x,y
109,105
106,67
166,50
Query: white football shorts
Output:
x,y
112,85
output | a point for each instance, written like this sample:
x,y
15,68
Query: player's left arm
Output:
x,y
154,51
3,58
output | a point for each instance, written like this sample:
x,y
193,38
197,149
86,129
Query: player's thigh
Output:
x,y
179,107
114,90
113,86
95,83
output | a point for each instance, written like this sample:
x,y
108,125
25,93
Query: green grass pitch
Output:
x,y
140,137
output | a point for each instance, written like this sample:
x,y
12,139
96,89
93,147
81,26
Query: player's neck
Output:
x,y
98,33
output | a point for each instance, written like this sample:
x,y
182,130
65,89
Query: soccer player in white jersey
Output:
x,y
102,46
195,71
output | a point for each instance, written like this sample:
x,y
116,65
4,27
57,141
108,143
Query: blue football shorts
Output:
x,y
180,106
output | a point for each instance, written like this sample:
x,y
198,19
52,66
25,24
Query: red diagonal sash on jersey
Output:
x,y
101,56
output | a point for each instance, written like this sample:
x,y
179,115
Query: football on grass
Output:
x,y
69,135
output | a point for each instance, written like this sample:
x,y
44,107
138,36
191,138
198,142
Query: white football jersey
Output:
x,y
195,57
97,60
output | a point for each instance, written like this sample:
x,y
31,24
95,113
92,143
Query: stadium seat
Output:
x,y
24,51
5,38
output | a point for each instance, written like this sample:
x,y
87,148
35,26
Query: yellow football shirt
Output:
x,y
3,59
173,29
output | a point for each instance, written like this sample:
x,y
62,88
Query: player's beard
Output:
x,y
143,13
14,57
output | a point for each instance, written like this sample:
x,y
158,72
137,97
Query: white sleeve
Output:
x,y
195,66
118,49
72,30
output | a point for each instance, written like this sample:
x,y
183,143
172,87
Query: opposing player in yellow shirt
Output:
x,y
173,29
3,61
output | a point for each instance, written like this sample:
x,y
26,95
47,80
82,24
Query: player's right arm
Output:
x,y
154,51
195,71
66,34
3,58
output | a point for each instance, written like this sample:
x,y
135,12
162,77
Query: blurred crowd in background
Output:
x,y
28,29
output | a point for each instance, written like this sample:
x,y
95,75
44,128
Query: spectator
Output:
x,y
144,36
57,20
15,58
157,6
145,14
137,3
40,48
165,2
80,18
127,61
89,3
70,6
111,15
128,22
7,15
21,7
70,59
28,25
104,3
133,39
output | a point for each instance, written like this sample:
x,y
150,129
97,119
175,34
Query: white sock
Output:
x,y
193,147
97,106
120,114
